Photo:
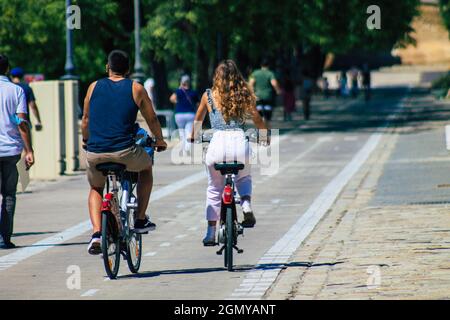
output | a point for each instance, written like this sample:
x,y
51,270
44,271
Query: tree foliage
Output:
x,y
445,12
192,35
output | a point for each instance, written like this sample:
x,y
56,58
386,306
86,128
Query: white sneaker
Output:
x,y
95,245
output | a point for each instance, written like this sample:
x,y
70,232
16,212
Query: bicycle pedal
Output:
x,y
219,253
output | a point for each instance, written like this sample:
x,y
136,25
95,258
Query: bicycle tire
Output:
x,y
111,260
134,252
229,232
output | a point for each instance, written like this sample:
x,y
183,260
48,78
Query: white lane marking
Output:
x,y
350,138
150,254
181,236
21,254
165,244
279,254
194,228
275,201
90,293
14,258
325,139
447,137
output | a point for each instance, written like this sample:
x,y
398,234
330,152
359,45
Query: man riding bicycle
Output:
x,y
109,115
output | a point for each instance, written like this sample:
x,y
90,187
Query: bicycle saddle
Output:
x,y
229,167
107,167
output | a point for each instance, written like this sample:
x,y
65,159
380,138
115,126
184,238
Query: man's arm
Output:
x,y
199,117
275,85
145,106
85,119
24,130
34,108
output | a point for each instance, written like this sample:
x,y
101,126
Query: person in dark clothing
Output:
x,y
17,77
288,98
366,81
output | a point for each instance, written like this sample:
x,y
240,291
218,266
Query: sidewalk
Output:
x,y
367,248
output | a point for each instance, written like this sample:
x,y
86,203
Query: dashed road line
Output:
x,y
90,293
165,244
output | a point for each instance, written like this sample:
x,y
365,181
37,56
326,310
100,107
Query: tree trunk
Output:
x,y
162,92
203,76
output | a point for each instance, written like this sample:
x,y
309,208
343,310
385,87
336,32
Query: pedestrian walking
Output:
x,y
186,101
149,86
343,88
264,85
325,87
307,90
354,72
366,81
288,98
14,137
17,77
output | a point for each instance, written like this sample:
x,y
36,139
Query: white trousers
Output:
x,y
226,146
185,122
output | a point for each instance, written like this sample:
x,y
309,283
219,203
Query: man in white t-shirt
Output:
x,y
149,86
14,137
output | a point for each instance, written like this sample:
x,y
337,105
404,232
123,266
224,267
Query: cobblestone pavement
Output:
x,y
367,248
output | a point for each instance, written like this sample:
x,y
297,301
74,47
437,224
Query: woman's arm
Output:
x,y
199,117
173,98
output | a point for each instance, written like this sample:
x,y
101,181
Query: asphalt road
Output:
x,y
52,233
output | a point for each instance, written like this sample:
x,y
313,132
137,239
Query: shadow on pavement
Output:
x,y
54,245
241,268
24,234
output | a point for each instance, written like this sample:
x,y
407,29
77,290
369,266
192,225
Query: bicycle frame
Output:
x,y
120,210
228,198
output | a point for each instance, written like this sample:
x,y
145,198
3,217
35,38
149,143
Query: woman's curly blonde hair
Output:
x,y
232,93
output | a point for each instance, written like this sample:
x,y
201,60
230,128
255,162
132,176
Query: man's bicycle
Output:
x,y
119,210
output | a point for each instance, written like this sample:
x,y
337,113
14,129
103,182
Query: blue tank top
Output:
x,y
186,101
112,115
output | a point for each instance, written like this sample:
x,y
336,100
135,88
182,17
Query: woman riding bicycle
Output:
x,y
229,104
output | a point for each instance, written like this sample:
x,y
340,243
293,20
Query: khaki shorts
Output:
x,y
135,158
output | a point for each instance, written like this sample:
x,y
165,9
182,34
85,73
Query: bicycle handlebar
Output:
x,y
253,137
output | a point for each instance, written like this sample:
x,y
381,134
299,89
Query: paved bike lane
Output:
x,y
387,235
175,265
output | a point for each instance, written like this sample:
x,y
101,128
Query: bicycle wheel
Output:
x,y
110,244
134,246
229,234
